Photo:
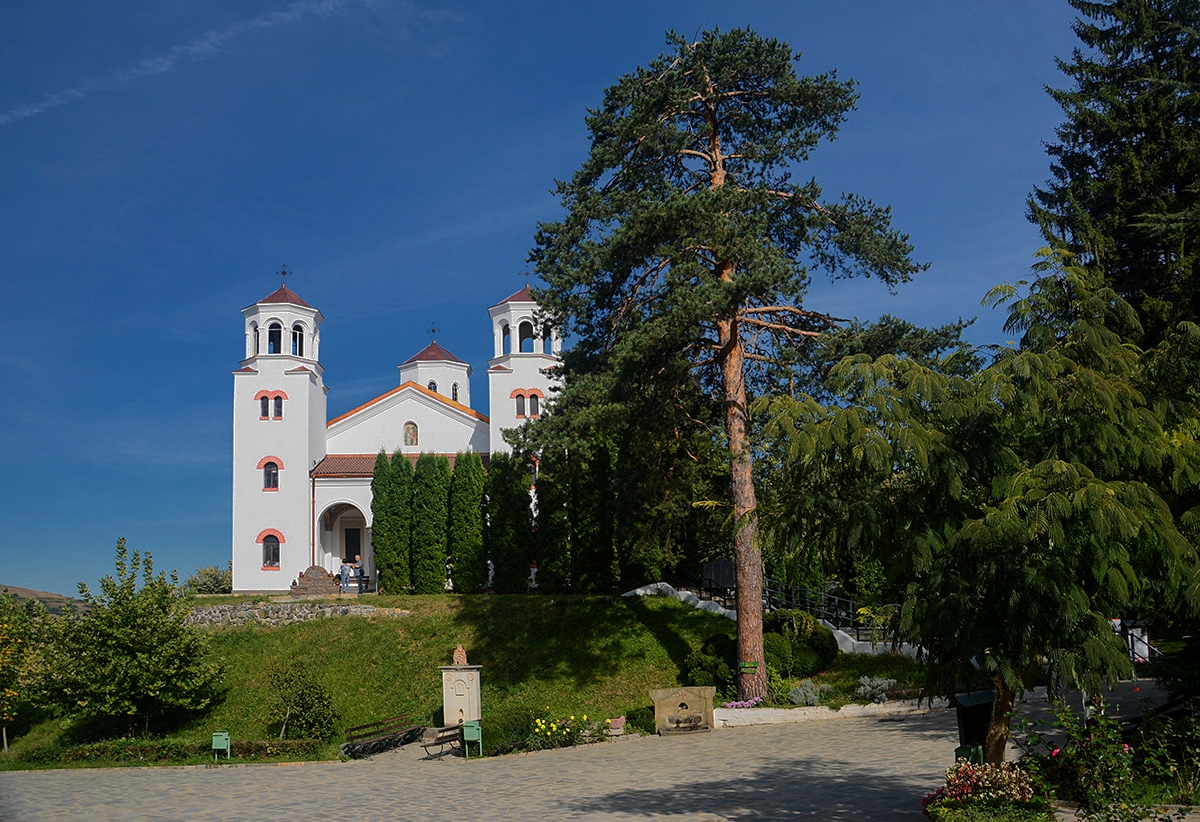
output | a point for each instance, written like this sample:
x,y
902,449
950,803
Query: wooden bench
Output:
x,y
446,735
376,737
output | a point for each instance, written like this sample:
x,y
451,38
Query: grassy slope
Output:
x,y
573,655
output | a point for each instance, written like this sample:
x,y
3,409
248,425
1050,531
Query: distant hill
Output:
x,y
55,603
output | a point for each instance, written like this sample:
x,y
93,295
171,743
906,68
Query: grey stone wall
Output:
x,y
281,613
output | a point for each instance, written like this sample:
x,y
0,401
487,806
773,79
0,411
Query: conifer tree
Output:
x,y
685,251
402,495
430,512
384,521
467,558
510,523
1125,190
554,544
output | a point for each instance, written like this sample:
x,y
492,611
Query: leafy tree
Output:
x,y
1009,501
1125,190
510,523
302,706
467,556
685,251
14,641
430,507
211,579
131,658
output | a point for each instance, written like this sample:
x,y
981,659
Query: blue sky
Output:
x,y
159,162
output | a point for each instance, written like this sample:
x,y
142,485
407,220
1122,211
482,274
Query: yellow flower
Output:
x,y
585,717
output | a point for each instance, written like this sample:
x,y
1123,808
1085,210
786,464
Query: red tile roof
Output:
x,y
432,352
522,296
363,465
284,295
466,409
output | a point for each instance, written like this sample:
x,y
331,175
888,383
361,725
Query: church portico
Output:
x,y
343,532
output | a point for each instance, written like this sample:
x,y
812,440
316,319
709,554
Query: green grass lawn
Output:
x,y
565,655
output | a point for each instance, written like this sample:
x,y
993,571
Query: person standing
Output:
x,y
361,570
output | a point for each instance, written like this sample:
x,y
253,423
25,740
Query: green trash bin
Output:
x,y
221,743
472,733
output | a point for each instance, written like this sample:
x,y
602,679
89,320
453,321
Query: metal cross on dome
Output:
x,y
283,275
433,332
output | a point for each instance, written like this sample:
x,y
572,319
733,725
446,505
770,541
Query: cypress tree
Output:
x,y
384,539
430,512
510,524
466,524
402,500
553,542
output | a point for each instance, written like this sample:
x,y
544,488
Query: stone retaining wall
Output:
x,y
281,613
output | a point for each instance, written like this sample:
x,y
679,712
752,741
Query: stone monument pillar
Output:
x,y
460,690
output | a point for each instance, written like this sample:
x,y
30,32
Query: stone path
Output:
x,y
848,769
853,769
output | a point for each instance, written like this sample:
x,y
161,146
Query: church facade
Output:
x,y
302,482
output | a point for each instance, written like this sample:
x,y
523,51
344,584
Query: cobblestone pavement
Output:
x,y
868,769
847,769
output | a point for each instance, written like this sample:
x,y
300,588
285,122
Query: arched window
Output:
x,y
506,339
520,405
298,340
547,340
525,331
270,546
274,338
264,408
533,405
270,477
254,331
279,408
410,433
432,386
454,392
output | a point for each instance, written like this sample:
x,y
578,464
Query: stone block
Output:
x,y
683,710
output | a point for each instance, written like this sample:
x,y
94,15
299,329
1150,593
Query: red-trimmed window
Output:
x,y
528,402
270,404
270,466
270,540
520,405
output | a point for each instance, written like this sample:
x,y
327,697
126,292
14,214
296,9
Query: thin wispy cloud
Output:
x,y
202,48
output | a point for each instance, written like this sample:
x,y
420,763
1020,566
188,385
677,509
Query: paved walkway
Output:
x,y
859,769
846,769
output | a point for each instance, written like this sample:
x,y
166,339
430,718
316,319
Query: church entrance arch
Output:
x,y
343,535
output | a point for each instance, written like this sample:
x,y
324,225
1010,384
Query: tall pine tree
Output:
x,y
385,537
687,242
1125,191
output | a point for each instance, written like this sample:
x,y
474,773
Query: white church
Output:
x,y
302,482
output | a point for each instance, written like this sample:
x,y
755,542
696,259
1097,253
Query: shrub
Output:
x,y
824,643
874,688
713,665
796,625
304,707
808,693
777,651
777,686
211,580
806,661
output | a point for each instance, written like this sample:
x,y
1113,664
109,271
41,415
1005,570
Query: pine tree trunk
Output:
x,y
752,679
997,733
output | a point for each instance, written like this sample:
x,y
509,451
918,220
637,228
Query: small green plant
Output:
x,y
711,665
874,688
808,693
546,732
303,707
